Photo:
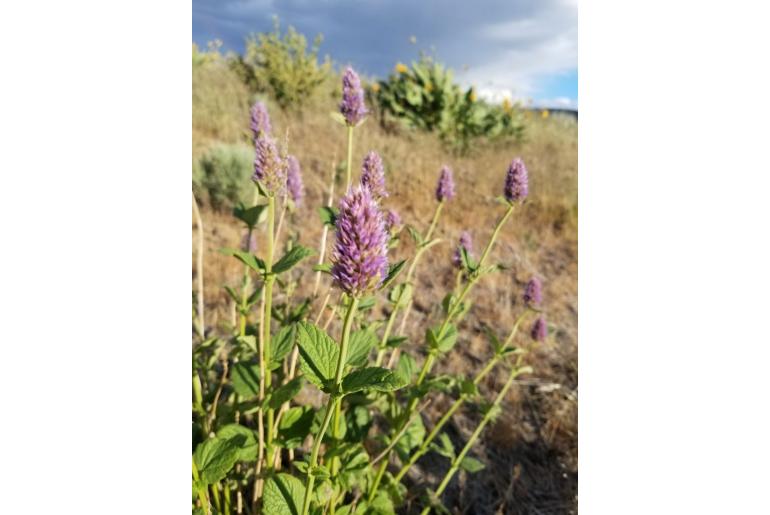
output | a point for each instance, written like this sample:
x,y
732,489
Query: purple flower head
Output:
x,y
467,244
360,255
533,292
539,330
269,166
373,175
294,180
392,221
446,185
352,106
516,181
249,244
260,120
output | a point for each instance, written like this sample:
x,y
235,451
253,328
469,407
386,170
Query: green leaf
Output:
x,y
328,215
413,437
361,342
416,236
245,379
283,342
381,504
249,448
319,355
247,259
371,378
468,387
325,268
249,340
393,272
401,294
405,368
446,448
284,393
468,262
471,465
338,117
291,258
447,341
295,426
283,495
250,216
233,294
216,456
395,341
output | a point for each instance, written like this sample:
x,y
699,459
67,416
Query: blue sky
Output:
x,y
521,49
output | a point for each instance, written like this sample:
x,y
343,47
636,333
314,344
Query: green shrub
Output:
x,y
282,65
221,177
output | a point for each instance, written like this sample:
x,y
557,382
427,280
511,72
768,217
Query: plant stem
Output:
x,y
335,397
270,279
325,232
201,305
202,493
350,155
198,402
484,421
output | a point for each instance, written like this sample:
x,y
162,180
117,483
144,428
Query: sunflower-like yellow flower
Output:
x,y
401,68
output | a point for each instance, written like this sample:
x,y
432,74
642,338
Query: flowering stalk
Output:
x,y
268,307
334,399
353,111
515,371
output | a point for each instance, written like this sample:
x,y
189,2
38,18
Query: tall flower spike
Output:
x,y
539,330
392,221
352,106
360,255
516,181
260,120
249,244
373,175
446,185
269,166
465,243
294,180
533,292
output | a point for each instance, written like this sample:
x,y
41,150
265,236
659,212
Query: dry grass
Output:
x,y
531,451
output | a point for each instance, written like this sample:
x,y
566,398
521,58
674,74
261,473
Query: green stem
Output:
x,y
217,501
267,319
350,155
202,493
487,417
228,502
330,405
245,289
434,221
198,402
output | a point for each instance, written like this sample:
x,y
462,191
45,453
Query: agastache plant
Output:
x,y
254,443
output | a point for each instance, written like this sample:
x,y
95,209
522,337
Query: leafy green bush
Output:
x,y
425,97
282,65
221,177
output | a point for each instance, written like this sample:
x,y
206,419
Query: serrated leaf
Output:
x,y
216,456
283,342
371,378
471,465
361,342
246,258
245,379
284,393
283,495
405,368
319,355
250,216
328,215
393,272
446,342
291,258
248,450
295,426
249,341
412,438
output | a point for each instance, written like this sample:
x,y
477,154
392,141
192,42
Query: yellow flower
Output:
x,y
376,87
473,95
401,68
507,105
544,114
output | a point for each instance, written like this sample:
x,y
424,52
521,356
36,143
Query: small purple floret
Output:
x,y
446,185
269,166
539,330
516,181
465,243
260,120
352,106
294,180
392,221
360,255
373,175
533,292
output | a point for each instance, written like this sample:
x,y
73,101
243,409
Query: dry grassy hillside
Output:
x,y
531,451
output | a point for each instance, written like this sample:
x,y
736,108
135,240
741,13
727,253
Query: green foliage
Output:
x,y
319,355
222,175
215,457
371,378
283,65
283,495
245,379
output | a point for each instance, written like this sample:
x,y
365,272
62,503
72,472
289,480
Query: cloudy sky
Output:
x,y
523,49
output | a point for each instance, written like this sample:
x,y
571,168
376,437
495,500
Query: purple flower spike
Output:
x,y
249,244
294,180
352,106
373,175
533,292
360,255
260,120
467,244
269,166
539,330
446,185
516,181
392,221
